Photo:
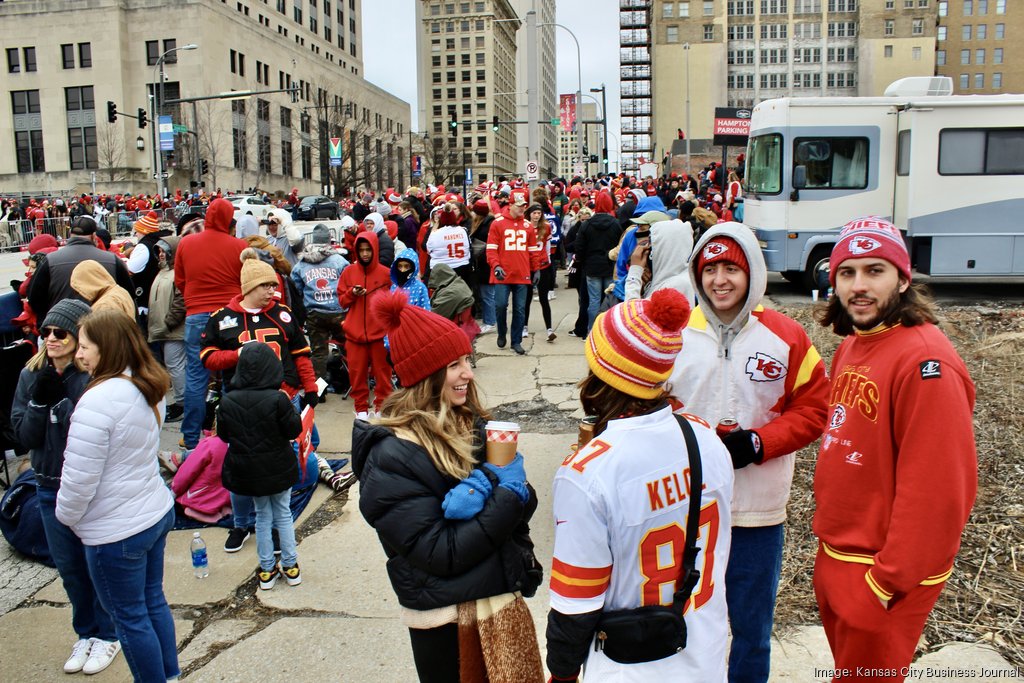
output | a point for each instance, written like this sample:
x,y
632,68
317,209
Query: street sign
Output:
x,y
417,165
166,134
165,174
469,176
555,121
578,169
180,128
532,170
335,151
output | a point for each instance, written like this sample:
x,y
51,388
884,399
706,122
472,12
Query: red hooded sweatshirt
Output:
x,y
360,325
207,270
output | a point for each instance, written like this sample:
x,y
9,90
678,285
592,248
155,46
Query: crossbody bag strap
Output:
x,y
691,575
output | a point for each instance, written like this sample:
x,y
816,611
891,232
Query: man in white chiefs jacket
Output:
x,y
758,367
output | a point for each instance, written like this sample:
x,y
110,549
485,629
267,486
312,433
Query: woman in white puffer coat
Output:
x,y
111,493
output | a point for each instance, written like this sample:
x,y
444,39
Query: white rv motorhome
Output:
x,y
948,170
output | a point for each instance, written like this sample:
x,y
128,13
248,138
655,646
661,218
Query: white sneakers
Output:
x,y
91,656
526,332
363,415
486,329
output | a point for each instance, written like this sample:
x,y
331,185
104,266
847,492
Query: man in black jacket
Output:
x,y
52,279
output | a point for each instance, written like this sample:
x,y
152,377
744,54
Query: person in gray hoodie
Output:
x,y
284,234
316,276
663,261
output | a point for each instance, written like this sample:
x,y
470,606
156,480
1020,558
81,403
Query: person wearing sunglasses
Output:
x,y
48,390
284,234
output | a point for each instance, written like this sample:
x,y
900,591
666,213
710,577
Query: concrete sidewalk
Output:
x,y
341,623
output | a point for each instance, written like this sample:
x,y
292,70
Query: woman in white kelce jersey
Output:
x,y
621,505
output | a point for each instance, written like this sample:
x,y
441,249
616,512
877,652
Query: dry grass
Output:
x,y
983,600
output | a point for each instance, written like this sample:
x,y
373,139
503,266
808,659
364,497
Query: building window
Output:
x,y
887,51
709,32
29,53
684,10
709,8
842,5
997,80
943,8
940,33
67,55
1000,31
965,56
982,31
915,54
965,81
263,160
917,27
979,81
28,143
85,55
806,6
1000,6
965,32
13,62
890,4
982,7
307,162
153,52
672,34
940,58
286,157
740,8
170,44
968,7
773,7
979,56
997,55
668,10
81,138
890,27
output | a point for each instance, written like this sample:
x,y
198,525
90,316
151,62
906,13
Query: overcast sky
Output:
x,y
594,22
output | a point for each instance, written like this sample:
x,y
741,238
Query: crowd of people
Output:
x,y
668,533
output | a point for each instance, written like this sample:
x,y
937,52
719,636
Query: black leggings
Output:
x,y
436,653
544,287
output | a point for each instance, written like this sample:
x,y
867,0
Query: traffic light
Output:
x,y
111,112
143,119
604,156
204,167
453,125
494,124
593,158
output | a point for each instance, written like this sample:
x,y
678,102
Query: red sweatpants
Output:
x,y
361,358
869,643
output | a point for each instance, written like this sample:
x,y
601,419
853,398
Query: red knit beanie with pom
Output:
x,y
421,342
634,345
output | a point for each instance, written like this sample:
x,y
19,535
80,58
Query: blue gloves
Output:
x,y
467,498
512,476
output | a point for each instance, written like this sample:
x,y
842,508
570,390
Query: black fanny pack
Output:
x,y
647,634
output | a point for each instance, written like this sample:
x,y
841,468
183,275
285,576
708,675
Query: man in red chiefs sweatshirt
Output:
x,y
358,285
897,472
513,256
206,272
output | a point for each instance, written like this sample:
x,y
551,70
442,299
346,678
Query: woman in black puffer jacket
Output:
x,y
455,531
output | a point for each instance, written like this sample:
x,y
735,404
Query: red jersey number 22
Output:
x,y
515,240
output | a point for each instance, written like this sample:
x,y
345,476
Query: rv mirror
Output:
x,y
800,177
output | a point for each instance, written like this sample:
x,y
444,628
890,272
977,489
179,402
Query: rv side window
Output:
x,y
903,157
833,163
764,165
998,151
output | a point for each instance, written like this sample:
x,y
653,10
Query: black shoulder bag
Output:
x,y
646,634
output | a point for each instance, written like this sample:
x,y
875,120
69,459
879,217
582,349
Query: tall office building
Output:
x,y
977,46
547,79
57,93
695,55
466,73
592,143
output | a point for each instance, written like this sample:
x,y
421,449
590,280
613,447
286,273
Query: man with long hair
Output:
x,y
897,471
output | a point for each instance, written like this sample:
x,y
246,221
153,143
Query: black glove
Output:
x,y
535,277
744,446
499,273
49,389
310,399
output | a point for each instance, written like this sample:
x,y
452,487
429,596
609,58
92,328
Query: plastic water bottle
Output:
x,y
200,564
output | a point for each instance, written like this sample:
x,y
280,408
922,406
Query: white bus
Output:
x,y
948,170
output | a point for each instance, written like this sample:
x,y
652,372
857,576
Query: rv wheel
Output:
x,y
816,272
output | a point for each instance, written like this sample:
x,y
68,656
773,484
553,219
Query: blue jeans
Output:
x,y
595,294
197,379
129,579
487,303
751,582
88,618
501,293
274,512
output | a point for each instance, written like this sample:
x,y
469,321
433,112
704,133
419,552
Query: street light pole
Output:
x,y
154,118
579,89
604,122
686,50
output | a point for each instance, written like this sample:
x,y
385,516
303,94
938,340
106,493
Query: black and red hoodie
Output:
x,y
274,325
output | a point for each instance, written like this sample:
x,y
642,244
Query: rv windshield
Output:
x,y
764,165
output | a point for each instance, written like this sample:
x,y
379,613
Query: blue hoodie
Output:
x,y
652,203
316,275
413,287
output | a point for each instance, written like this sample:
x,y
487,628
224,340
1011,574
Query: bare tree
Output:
x,y
214,136
443,159
110,152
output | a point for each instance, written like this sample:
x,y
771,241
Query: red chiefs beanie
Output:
x,y
870,237
421,342
724,249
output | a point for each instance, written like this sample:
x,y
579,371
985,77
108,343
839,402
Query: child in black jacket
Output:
x,y
258,422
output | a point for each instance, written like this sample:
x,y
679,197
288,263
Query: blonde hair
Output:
x,y
446,432
40,359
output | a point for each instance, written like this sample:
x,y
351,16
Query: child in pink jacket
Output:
x,y
197,485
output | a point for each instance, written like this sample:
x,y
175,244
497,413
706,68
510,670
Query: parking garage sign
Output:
x,y
732,126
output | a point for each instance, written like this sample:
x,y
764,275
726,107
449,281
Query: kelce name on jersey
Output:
x,y
669,490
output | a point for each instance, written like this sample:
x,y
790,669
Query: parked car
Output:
x,y
316,206
250,204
